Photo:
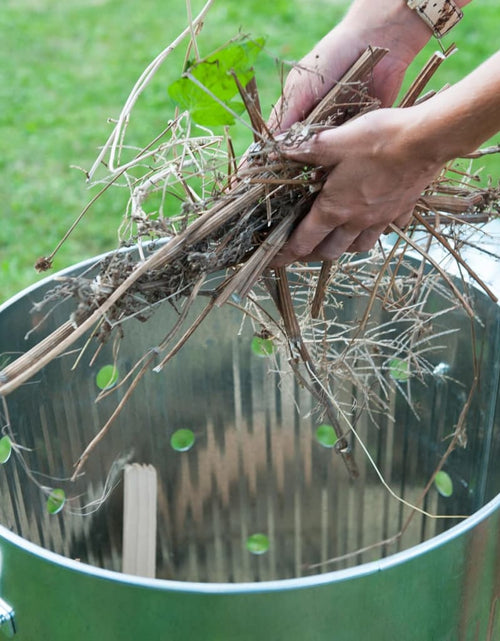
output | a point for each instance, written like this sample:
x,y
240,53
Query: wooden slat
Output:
x,y
139,520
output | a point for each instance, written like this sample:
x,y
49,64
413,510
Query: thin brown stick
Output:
x,y
104,430
182,316
373,295
250,96
298,349
320,291
429,69
486,151
358,73
186,336
45,263
431,260
244,279
444,242
453,204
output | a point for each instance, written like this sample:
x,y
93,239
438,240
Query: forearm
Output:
x,y
391,24
458,120
385,23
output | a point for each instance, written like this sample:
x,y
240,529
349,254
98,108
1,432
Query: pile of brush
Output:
x,y
237,226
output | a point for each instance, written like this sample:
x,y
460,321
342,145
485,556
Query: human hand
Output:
x,y
378,170
311,79
385,23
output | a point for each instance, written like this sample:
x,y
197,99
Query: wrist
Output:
x,y
391,24
431,133
456,121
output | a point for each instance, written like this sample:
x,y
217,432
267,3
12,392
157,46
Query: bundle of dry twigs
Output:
x,y
236,222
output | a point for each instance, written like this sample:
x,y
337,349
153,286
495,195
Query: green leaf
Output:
x,y
216,71
262,347
444,484
201,106
56,500
182,440
325,435
258,543
106,377
5,449
399,369
216,74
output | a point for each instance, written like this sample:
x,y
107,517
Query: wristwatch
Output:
x,y
439,15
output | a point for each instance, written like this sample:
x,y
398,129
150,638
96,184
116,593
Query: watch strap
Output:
x,y
439,15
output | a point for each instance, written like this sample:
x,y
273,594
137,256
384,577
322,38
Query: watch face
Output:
x,y
440,15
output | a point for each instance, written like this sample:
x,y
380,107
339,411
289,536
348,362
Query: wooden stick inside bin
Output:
x,y
139,520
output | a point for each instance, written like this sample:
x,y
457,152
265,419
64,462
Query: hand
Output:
x,y
385,23
318,72
378,170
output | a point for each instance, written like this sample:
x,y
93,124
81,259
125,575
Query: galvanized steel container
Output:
x,y
255,468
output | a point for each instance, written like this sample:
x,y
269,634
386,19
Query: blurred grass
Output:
x,y
68,66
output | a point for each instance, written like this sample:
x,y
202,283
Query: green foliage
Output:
x,y
106,377
325,435
258,543
262,347
182,440
444,484
56,501
214,76
5,449
399,369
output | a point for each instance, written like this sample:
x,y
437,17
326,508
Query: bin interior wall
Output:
x,y
255,466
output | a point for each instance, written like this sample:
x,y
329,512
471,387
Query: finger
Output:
x,y
332,246
335,244
366,239
401,222
323,148
302,243
321,220
404,219
285,114
282,259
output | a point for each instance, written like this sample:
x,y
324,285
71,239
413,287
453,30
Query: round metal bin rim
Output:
x,y
366,569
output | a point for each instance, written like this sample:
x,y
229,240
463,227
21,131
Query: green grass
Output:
x,y
68,66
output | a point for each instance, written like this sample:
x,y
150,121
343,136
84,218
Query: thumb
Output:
x,y
323,148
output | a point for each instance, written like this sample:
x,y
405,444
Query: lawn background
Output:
x,y
67,66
